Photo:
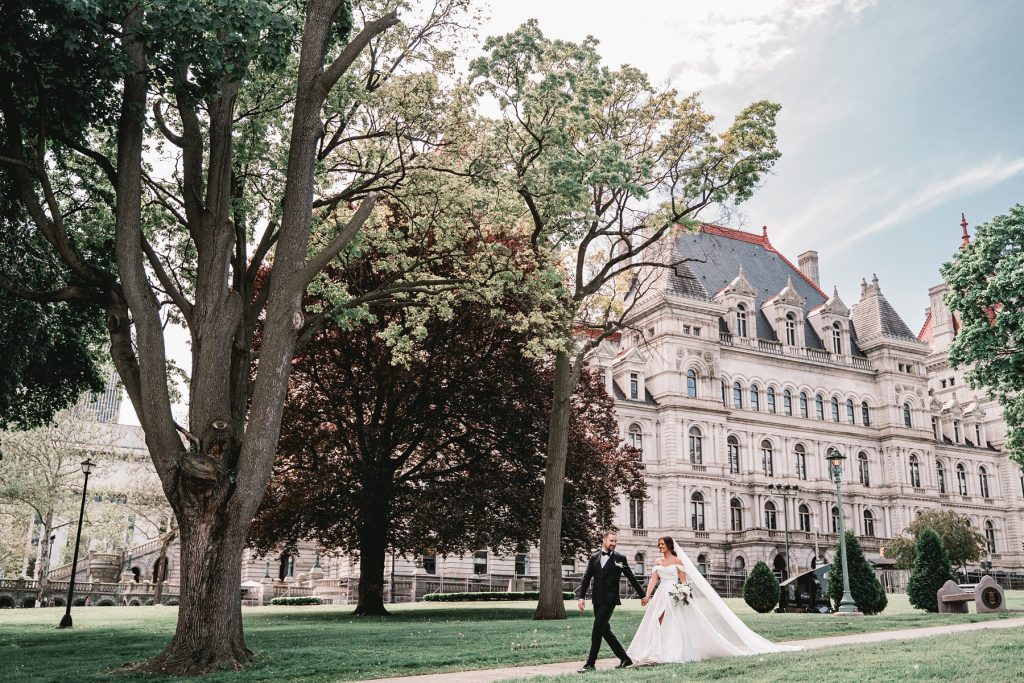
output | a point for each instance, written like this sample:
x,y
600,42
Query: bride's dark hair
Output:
x,y
670,544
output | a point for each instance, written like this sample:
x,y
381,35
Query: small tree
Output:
x,y
761,589
962,543
931,570
865,587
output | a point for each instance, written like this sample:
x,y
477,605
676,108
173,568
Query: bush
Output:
x,y
932,568
761,589
487,596
865,587
297,600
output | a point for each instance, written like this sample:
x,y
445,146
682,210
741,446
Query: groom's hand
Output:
x,y
644,601
582,604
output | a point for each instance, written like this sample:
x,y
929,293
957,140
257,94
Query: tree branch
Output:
x,y
341,240
341,64
161,274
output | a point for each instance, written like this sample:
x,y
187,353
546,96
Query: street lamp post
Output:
x,y
87,466
847,606
785,491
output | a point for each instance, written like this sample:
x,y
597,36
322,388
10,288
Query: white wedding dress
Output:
x,y
702,629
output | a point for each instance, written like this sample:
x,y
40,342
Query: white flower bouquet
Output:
x,y
681,593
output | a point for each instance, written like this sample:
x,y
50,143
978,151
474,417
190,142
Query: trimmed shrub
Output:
x,y
297,600
865,587
761,589
932,568
488,596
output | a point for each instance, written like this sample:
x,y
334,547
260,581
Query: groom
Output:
x,y
604,568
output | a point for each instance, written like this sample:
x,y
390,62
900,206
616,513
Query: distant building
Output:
x,y
104,406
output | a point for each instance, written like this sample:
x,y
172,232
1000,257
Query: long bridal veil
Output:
x,y
723,621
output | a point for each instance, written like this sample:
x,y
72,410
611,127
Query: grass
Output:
x,y
326,643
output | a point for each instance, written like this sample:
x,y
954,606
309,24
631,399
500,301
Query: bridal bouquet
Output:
x,y
681,593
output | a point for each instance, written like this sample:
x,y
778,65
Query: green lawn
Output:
x,y
328,644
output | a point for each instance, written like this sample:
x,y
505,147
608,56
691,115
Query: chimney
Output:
x,y
808,262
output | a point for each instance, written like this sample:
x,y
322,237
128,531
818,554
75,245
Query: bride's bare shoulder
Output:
x,y
677,562
660,562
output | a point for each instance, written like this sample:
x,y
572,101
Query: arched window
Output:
x,y
865,414
737,395
725,394
990,537
803,515
819,407
851,414
638,564
837,338
961,479
869,523
733,447
703,565
636,512
480,562
835,409
691,383
787,402
864,469
983,481
915,472
755,397
696,445
739,564
636,437
940,476
697,511
770,393
906,416
771,517
835,519
767,458
790,329
803,404
800,454
735,515
741,320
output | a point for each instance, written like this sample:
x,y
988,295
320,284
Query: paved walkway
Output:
x,y
490,675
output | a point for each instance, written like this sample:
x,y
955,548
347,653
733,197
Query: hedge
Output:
x,y
865,588
483,596
298,600
931,570
761,589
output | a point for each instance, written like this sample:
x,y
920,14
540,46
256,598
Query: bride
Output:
x,y
700,628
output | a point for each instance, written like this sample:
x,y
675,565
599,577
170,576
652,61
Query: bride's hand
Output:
x,y
644,601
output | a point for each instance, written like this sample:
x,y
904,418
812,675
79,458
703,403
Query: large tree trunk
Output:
x,y
551,605
374,524
43,567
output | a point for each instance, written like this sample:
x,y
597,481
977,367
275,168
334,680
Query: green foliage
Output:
x,y
297,600
865,587
986,281
489,596
959,539
931,570
761,589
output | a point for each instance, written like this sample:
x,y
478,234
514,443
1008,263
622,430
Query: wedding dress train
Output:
x,y
702,629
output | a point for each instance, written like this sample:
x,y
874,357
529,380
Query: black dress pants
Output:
x,y
602,615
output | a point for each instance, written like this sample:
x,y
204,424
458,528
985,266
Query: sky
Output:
x,y
897,115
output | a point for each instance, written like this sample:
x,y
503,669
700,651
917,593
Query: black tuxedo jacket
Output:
x,y
606,580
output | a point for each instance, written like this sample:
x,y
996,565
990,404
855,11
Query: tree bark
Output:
x,y
43,570
550,604
374,525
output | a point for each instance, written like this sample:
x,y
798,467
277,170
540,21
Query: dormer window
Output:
x,y
790,329
741,320
837,338
634,386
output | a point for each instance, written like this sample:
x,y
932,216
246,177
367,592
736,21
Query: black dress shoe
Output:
x,y
624,663
586,668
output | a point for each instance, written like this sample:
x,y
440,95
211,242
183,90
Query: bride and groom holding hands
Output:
x,y
686,620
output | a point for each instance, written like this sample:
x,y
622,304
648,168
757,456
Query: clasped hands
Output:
x,y
643,603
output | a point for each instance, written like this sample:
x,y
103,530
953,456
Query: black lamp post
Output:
x,y
87,466
785,491
847,606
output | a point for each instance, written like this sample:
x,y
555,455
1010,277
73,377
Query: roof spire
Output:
x,y
764,233
966,237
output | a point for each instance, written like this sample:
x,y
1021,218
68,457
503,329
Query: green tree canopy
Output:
x,y
962,543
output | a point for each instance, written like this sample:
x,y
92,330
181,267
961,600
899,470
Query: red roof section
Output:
x,y
925,334
761,239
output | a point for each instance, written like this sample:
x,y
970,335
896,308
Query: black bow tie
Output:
x,y
606,553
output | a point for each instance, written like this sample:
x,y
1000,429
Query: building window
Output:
x,y
803,515
935,428
636,513
940,476
977,435
741,320
803,404
735,515
906,416
835,520
869,523
767,458
943,383
851,414
634,385
787,402
837,339
429,563
771,518
733,448
686,329
790,329
725,400
983,481
865,414
835,409
702,564
990,537
638,564
915,472
819,407
770,393
522,564
961,479
697,511
696,446
1021,472
956,431
691,383
696,332
952,381
755,397
801,461
737,395
864,469
636,437
480,562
